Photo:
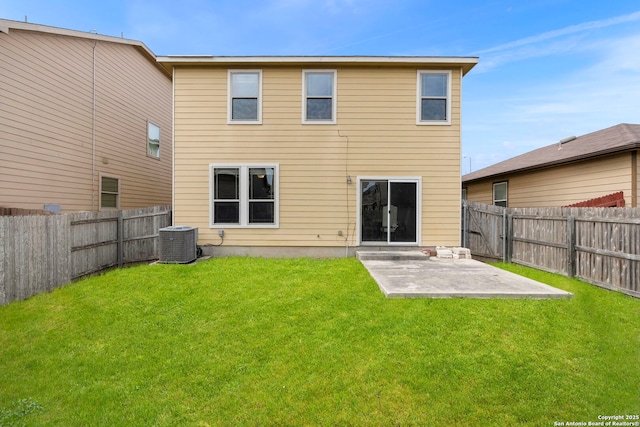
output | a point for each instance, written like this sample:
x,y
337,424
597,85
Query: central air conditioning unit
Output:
x,y
178,244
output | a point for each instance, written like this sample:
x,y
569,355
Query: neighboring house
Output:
x,y
316,155
597,169
85,121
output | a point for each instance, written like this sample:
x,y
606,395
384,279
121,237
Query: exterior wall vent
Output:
x,y
178,244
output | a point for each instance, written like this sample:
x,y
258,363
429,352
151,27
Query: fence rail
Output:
x,y
598,245
40,253
23,212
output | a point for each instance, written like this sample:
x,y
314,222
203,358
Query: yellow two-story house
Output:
x,y
317,156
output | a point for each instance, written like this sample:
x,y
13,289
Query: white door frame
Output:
x,y
390,179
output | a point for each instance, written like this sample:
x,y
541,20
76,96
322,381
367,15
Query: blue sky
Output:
x,y
548,68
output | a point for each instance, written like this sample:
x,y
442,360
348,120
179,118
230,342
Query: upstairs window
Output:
x,y
153,140
245,97
244,195
434,98
500,194
319,100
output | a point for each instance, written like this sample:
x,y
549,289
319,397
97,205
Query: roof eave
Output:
x,y
466,63
7,25
617,150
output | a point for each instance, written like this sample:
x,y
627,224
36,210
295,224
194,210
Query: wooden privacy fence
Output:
x,y
40,253
598,245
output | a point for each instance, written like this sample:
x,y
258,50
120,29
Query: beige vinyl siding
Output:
x,y
46,122
375,135
562,185
480,192
129,92
571,183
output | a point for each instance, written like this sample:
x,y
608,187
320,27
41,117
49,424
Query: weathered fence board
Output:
x,y
94,242
598,245
140,232
23,212
34,255
40,253
539,239
483,229
609,252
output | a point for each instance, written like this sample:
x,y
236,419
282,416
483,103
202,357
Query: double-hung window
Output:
x,y
109,192
245,96
319,96
434,98
500,194
153,140
244,195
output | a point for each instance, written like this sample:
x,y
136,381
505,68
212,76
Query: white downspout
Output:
x,y
173,145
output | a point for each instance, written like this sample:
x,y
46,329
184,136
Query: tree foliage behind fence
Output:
x,y
40,253
598,245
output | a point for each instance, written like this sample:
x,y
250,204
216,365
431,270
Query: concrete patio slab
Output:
x,y
411,274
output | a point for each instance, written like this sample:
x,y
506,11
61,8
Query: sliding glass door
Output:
x,y
388,211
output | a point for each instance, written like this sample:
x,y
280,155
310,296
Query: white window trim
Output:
x,y
101,175
230,98
334,97
417,179
149,122
244,194
506,192
419,99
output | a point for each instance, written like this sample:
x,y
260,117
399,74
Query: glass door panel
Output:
x,y
402,215
374,196
388,211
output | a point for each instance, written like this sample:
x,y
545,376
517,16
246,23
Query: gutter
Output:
x,y
466,63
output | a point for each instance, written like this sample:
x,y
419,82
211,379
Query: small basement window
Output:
x,y
109,192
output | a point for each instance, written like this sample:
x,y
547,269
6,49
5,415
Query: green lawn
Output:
x,y
244,341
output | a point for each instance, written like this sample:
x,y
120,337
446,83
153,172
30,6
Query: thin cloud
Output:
x,y
569,40
573,29
620,55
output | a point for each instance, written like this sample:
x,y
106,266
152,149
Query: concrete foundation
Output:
x,y
298,251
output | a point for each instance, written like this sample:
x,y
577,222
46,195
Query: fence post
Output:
x,y
504,235
120,246
3,255
464,223
509,237
571,246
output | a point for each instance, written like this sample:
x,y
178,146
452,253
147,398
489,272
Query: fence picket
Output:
x,y
598,245
40,253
